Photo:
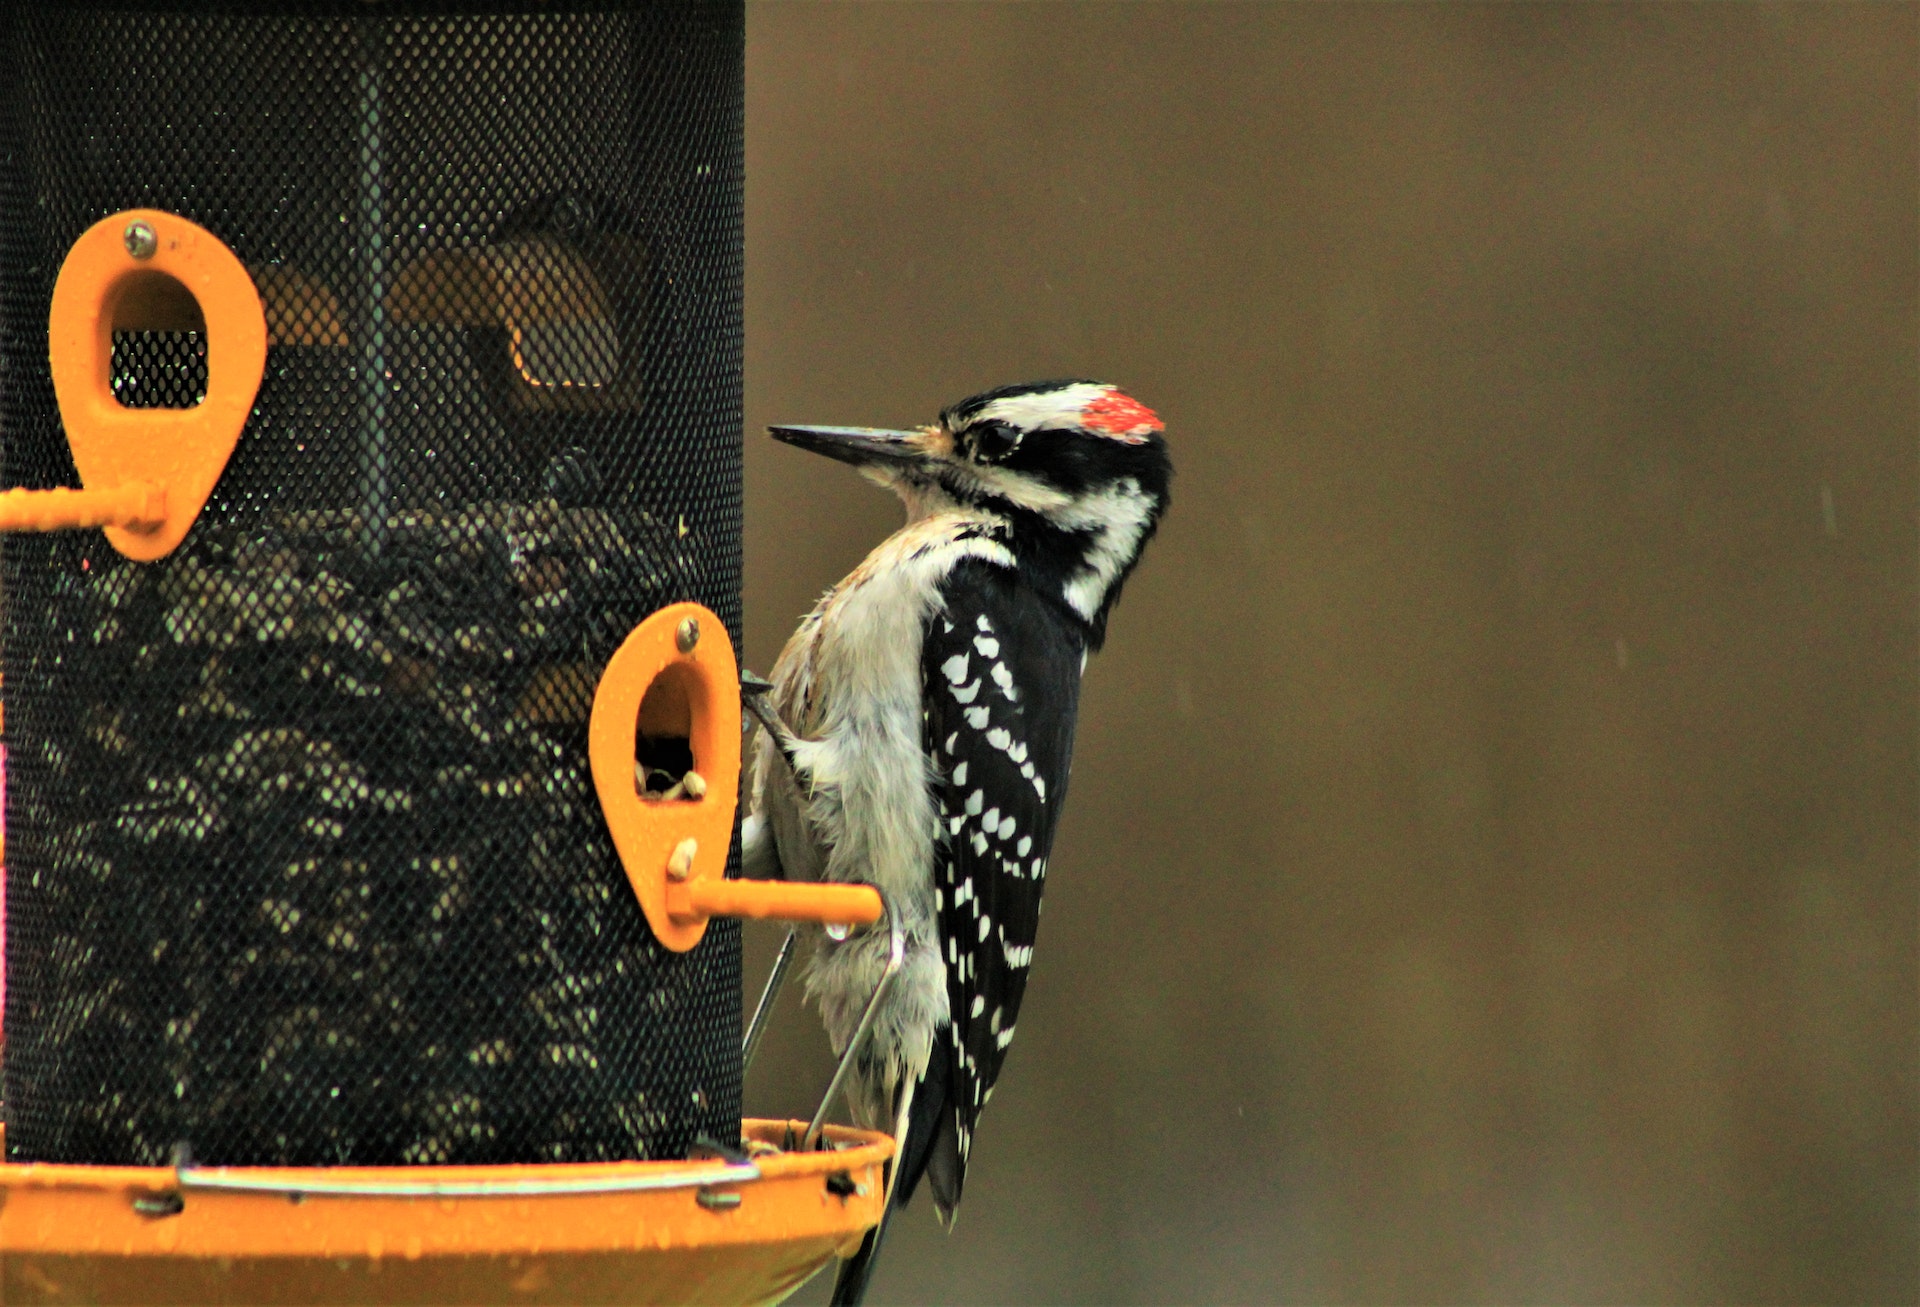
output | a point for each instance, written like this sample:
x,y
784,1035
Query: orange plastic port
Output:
x,y
675,677
146,473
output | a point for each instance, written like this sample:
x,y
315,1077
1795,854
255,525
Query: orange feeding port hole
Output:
x,y
674,686
146,473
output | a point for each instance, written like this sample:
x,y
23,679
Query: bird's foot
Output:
x,y
753,697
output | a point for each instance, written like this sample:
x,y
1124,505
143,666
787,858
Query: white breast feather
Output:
x,y
849,683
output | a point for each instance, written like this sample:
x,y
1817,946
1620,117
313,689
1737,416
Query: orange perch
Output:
x,y
842,905
135,506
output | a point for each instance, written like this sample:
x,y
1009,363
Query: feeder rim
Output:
x,y
138,1234
236,1180
847,1147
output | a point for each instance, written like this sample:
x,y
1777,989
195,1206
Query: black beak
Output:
x,y
860,446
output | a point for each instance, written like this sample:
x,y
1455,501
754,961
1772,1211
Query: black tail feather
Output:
x,y
930,1109
925,1116
850,1285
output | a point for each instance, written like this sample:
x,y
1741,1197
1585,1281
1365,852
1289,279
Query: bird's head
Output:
x,y
1076,471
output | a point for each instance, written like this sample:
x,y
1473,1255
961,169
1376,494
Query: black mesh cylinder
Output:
x,y
305,865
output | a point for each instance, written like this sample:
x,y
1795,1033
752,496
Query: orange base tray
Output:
x,y
459,1235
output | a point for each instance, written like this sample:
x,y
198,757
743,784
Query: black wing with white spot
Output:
x,y
1001,672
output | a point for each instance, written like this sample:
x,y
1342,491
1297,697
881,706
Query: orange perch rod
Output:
x,y
836,905
136,506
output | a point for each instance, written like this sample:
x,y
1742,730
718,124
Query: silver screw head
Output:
x,y
141,239
687,634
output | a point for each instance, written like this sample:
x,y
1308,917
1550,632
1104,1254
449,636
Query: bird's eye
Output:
x,y
992,440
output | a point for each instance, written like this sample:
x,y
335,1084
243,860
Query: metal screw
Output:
x,y
169,1203
141,240
687,634
841,1185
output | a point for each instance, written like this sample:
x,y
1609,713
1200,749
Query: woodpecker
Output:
x,y
920,731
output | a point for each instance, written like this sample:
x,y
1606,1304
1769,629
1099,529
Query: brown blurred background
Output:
x,y
1490,870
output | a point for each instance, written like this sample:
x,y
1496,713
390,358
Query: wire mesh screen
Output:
x,y
306,866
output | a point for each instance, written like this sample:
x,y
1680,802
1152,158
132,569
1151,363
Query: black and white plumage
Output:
x,y
930,699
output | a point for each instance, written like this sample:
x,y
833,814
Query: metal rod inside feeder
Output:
x,y
374,379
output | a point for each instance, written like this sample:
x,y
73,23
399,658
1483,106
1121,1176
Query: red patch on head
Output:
x,y
1121,417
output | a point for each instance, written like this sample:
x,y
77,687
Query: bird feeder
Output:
x,y
370,375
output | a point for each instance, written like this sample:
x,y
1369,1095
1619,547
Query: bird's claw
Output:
x,y
753,697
